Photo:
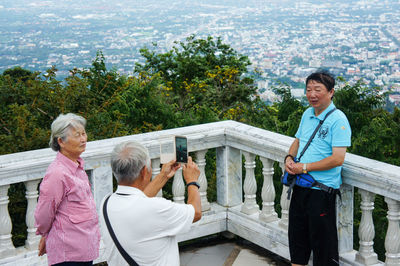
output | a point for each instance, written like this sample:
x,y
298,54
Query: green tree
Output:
x,y
289,109
359,102
18,73
203,75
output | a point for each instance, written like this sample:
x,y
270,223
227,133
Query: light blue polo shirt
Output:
x,y
334,132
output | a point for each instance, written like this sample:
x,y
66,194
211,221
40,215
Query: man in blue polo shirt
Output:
x,y
312,212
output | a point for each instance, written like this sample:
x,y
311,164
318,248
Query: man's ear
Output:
x,y
143,172
332,92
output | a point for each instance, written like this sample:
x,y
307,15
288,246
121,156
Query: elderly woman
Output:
x,y
66,214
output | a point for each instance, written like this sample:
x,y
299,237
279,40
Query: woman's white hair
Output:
x,y
128,159
61,126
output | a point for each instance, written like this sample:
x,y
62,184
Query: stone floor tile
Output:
x,y
249,258
211,256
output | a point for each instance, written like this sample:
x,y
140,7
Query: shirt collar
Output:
x,y
322,115
129,190
69,163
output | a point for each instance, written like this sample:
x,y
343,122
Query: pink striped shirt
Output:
x,y
66,213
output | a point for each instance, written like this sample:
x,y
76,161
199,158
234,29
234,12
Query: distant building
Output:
x,y
314,63
394,98
332,63
297,93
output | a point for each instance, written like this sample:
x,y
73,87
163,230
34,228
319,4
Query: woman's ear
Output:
x,y
60,142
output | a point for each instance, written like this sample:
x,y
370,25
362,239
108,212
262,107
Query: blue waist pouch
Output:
x,y
305,181
301,180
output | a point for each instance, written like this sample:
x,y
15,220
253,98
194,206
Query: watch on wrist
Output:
x,y
194,183
304,168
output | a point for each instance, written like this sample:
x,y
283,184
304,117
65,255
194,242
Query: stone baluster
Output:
x,y
345,211
229,176
250,186
6,246
392,240
178,187
268,213
101,178
31,194
201,162
285,203
366,231
155,165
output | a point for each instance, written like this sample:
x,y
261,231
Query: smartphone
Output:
x,y
181,149
173,148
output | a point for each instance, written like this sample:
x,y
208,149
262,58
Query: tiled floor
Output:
x,y
210,256
226,254
248,257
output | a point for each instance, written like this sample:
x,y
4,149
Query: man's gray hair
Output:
x,y
61,127
128,159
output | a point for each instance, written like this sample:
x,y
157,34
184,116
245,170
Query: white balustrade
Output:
x,y
392,240
101,177
32,194
6,245
229,176
230,213
250,186
344,212
366,231
268,213
285,203
155,165
178,187
201,163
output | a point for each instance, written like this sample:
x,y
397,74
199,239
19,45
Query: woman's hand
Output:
x,y
42,246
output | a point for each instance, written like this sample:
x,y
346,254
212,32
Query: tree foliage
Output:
x,y
201,75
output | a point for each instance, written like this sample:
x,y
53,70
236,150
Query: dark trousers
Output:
x,y
74,263
312,227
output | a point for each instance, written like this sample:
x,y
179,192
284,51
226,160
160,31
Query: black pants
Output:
x,y
312,227
74,263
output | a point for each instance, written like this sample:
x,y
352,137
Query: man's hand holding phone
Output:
x,y
191,171
169,169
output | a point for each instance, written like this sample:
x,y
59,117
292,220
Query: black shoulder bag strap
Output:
x,y
314,133
121,250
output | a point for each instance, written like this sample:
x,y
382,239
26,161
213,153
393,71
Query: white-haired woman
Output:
x,y
66,214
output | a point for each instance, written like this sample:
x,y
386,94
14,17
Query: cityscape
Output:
x,y
285,40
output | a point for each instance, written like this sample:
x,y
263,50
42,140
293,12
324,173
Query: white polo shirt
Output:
x,y
145,227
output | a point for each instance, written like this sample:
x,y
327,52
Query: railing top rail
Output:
x,y
372,175
30,165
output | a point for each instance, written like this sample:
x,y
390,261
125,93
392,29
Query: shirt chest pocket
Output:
x,y
80,205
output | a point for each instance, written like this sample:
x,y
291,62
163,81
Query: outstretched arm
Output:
x,y
168,170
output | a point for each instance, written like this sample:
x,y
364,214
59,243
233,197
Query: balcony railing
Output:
x,y
236,209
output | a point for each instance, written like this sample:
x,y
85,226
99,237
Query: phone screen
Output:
x,y
181,149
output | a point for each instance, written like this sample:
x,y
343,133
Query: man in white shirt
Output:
x,y
146,226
